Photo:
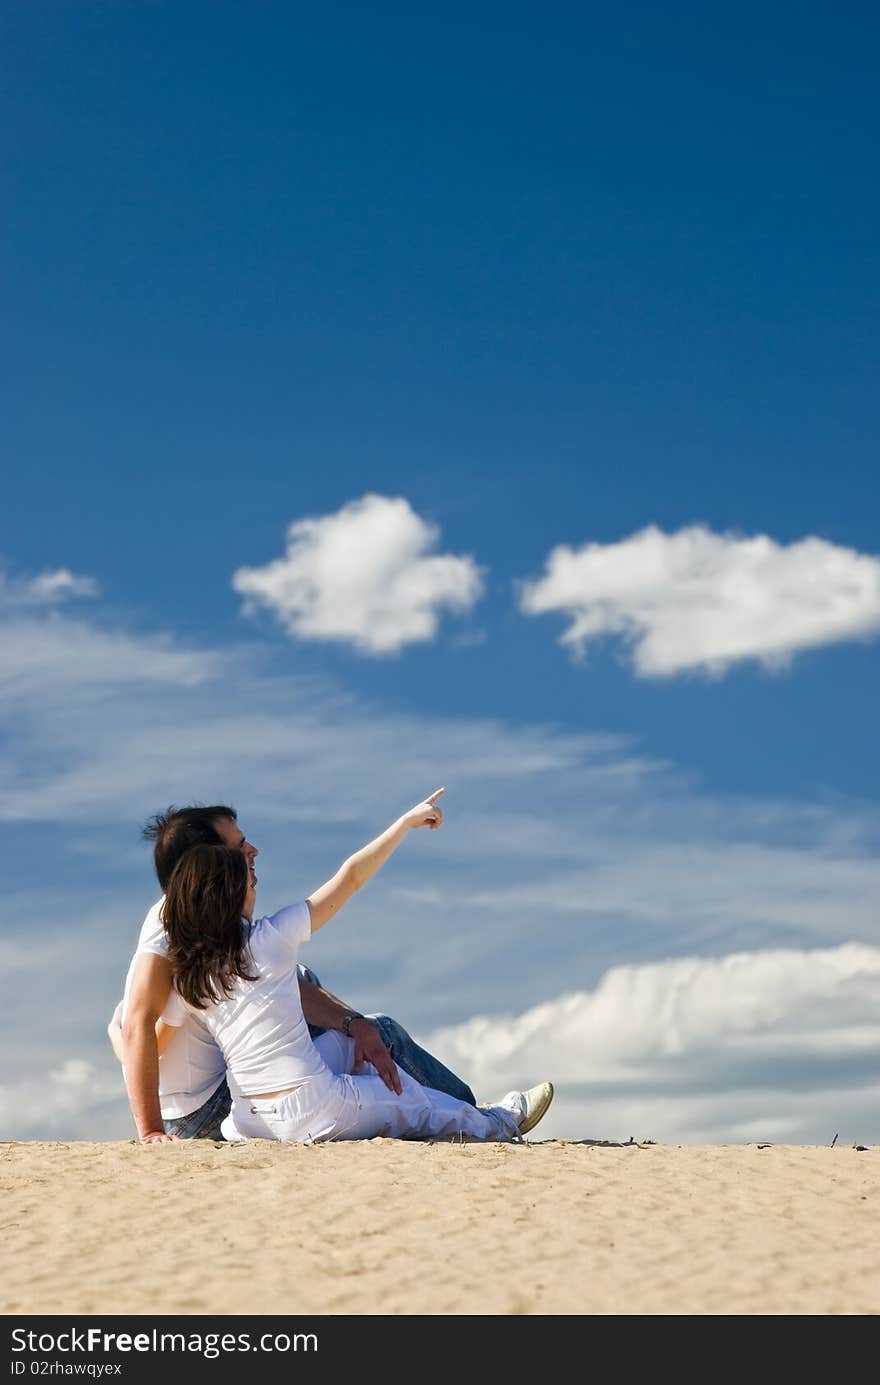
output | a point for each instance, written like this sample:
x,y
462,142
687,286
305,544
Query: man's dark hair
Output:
x,y
177,830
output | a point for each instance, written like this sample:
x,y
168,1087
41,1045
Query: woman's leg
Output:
x,y
338,1053
336,1050
419,1113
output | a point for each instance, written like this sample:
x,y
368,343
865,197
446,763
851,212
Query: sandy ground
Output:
x,y
385,1227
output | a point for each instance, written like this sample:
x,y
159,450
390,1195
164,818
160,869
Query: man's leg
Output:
x,y
204,1123
419,1113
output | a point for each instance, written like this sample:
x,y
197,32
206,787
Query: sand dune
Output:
x,y
383,1227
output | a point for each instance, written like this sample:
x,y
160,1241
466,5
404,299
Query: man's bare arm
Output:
x,y
321,1008
148,997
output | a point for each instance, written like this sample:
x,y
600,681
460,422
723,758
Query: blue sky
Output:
x,y
449,293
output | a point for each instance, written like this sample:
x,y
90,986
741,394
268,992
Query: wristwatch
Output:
x,y
346,1022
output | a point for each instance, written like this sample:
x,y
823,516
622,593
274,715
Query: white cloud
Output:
x,y
699,600
771,1044
364,576
46,589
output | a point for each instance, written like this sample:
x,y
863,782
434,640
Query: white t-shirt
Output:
x,y
260,1026
192,1067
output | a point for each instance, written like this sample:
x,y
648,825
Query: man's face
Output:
x,y
233,836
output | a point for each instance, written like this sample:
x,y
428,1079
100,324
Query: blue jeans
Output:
x,y
203,1124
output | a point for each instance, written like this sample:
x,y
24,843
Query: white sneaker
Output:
x,y
527,1108
537,1101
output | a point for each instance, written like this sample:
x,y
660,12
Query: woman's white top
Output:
x,y
260,1028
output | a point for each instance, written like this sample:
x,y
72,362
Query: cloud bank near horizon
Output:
x,y
776,1044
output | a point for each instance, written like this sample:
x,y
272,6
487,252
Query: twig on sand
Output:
x,y
834,1141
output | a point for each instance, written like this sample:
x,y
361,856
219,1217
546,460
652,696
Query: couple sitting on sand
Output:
x,y
224,1035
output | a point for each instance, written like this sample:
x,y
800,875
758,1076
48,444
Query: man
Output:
x,y
176,1078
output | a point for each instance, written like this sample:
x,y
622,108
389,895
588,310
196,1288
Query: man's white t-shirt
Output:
x,y
192,1067
260,1026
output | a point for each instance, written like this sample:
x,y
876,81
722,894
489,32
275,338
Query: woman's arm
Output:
x,y
358,869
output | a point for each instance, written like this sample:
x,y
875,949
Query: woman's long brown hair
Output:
x,y
207,937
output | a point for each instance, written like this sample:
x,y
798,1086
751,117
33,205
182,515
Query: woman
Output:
x,y
240,976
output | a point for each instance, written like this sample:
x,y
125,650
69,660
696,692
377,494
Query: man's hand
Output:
x,y
158,1137
369,1047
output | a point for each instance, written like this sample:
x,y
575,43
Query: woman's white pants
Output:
x,y
346,1106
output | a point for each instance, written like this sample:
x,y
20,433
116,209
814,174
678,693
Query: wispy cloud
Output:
x,y
365,576
697,600
54,660
46,589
